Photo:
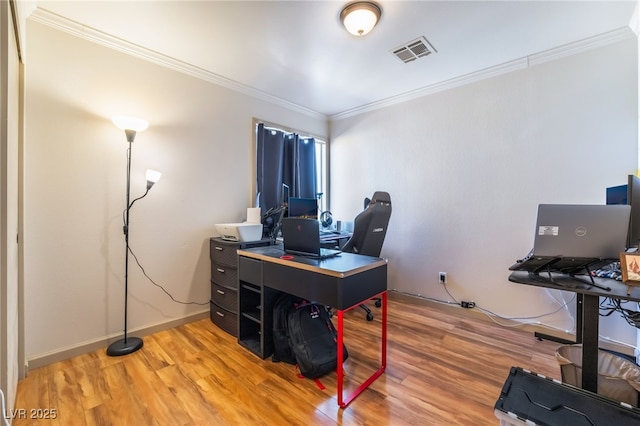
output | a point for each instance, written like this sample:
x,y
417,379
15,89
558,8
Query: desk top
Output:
x,y
579,285
341,266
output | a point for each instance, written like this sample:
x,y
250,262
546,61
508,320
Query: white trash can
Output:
x,y
618,378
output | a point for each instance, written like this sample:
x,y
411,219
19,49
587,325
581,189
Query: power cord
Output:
x,y
161,287
140,266
492,315
462,304
609,306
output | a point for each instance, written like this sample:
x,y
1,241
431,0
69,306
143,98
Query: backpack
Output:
x,y
313,338
283,306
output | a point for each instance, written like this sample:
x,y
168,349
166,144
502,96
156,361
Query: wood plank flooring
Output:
x,y
442,369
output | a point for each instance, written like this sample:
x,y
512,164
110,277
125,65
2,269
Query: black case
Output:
x,y
528,398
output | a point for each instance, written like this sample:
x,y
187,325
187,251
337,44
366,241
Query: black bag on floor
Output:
x,y
313,338
283,306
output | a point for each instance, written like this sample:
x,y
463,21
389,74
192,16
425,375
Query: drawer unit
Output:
x,y
224,297
224,281
228,321
223,252
224,275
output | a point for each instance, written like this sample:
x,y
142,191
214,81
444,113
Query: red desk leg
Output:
x,y
383,355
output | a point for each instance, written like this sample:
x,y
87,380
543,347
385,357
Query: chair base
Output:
x,y
378,303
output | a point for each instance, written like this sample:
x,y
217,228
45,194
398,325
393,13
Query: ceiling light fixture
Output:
x,y
360,17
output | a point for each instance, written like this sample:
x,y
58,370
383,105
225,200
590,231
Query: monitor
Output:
x,y
617,194
628,194
633,199
303,208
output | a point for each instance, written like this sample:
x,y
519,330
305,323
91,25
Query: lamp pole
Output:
x,y
126,243
130,125
127,344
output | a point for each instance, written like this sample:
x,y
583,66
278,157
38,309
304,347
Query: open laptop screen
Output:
x,y
583,231
302,237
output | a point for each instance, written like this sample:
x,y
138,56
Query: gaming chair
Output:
x,y
369,230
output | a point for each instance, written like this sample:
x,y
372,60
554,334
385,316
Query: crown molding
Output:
x,y
82,31
507,67
87,33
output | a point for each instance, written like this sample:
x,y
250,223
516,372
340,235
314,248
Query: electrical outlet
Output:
x,y
442,277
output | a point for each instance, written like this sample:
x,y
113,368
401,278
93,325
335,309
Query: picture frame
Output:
x,y
630,269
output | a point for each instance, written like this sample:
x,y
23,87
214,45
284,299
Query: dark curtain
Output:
x,y
304,178
270,168
284,158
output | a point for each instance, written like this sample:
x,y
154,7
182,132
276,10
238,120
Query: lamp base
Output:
x,y
124,346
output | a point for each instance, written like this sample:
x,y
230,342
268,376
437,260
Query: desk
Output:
x,y
589,322
342,282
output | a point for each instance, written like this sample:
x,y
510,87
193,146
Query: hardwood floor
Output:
x,y
442,369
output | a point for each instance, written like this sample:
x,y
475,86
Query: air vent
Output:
x,y
413,50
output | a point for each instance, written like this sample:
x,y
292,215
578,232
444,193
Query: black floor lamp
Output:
x,y
130,125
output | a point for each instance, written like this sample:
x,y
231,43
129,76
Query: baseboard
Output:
x,y
480,316
86,347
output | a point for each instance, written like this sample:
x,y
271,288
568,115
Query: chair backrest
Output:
x,y
370,226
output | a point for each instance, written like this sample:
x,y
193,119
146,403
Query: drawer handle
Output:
x,y
219,248
220,314
220,270
220,292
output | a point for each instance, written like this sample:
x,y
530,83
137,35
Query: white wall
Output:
x,y
466,169
75,162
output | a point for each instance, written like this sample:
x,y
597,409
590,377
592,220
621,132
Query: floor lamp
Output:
x,y
131,126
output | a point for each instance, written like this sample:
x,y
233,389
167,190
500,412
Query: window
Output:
x,y
322,174
286,165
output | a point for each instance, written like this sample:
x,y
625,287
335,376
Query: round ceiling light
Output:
x,y
360,17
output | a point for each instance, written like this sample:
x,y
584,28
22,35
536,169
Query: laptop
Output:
x,y
571,237
302,238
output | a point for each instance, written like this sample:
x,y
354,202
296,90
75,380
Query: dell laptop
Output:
x,y
571,237
302,238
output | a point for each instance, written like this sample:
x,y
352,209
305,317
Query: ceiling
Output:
x,y
299,53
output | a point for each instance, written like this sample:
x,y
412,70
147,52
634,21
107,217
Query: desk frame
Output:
x,y
588,321
343,282
579,314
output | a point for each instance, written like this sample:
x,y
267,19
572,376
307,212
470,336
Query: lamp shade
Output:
x,y
360,17
153,175
130,123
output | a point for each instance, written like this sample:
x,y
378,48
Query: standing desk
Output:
x,y
589,322
342,282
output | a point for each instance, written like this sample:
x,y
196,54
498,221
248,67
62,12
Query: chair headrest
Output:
x,y
380,197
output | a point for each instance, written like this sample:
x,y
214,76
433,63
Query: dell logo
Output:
x,y
581,231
